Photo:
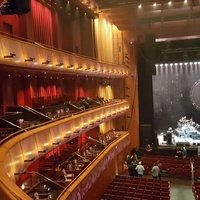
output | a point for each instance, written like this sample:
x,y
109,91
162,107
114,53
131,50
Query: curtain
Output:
x,y
108,41
42,23
106,127
105,92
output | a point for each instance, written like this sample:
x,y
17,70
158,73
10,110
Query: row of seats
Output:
x,y
175,167
196,167
196,190
134,188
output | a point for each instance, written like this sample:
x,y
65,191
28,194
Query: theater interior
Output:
x,y
84,83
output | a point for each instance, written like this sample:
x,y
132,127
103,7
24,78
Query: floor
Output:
x,y
181,189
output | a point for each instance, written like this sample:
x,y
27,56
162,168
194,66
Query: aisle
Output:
x,y
181,189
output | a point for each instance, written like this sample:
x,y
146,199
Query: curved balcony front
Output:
x,y
23,149
32,55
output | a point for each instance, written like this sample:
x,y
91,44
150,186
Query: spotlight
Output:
x,y
185,1
155,4
140,6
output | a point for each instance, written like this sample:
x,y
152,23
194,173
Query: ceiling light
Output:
x,y
170,3
140,6
185,1
155,4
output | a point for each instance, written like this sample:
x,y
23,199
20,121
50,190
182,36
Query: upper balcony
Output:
x,y
32,55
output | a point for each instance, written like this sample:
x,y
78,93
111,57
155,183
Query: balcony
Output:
x,y
31,55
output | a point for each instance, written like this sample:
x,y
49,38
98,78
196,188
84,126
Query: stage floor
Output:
x,y
175,141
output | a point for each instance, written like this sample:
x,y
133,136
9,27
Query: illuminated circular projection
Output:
x,y
195,95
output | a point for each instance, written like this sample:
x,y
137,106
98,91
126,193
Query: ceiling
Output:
x,y
167,21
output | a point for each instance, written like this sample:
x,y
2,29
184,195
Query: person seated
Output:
x,y
149,148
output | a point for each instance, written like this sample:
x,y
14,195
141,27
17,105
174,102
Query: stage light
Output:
x,y
155,4
191,63
140,6
171,64
176,64
166,65
185,63
156,65
185,1
161,65
181,64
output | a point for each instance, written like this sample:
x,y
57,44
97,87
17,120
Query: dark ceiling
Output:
x,y
181,18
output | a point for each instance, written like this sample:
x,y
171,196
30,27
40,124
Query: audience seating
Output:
x,y
196,190
134,188
196,167
175,167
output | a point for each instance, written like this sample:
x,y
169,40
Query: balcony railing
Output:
x,y
29,54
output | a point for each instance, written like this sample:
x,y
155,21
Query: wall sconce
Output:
x,y
70,66
10,56
29,59
30,159
59,64
91,122
21,171
87,69
80,67
85,125
56,143
42,151
67,136
98,120
46,62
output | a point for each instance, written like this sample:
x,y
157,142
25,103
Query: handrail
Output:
x,y
92,165
17,193
79,64
46,178
54,120
52,47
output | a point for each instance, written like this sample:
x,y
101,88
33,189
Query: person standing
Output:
x,y
155,171
140,169
184,152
